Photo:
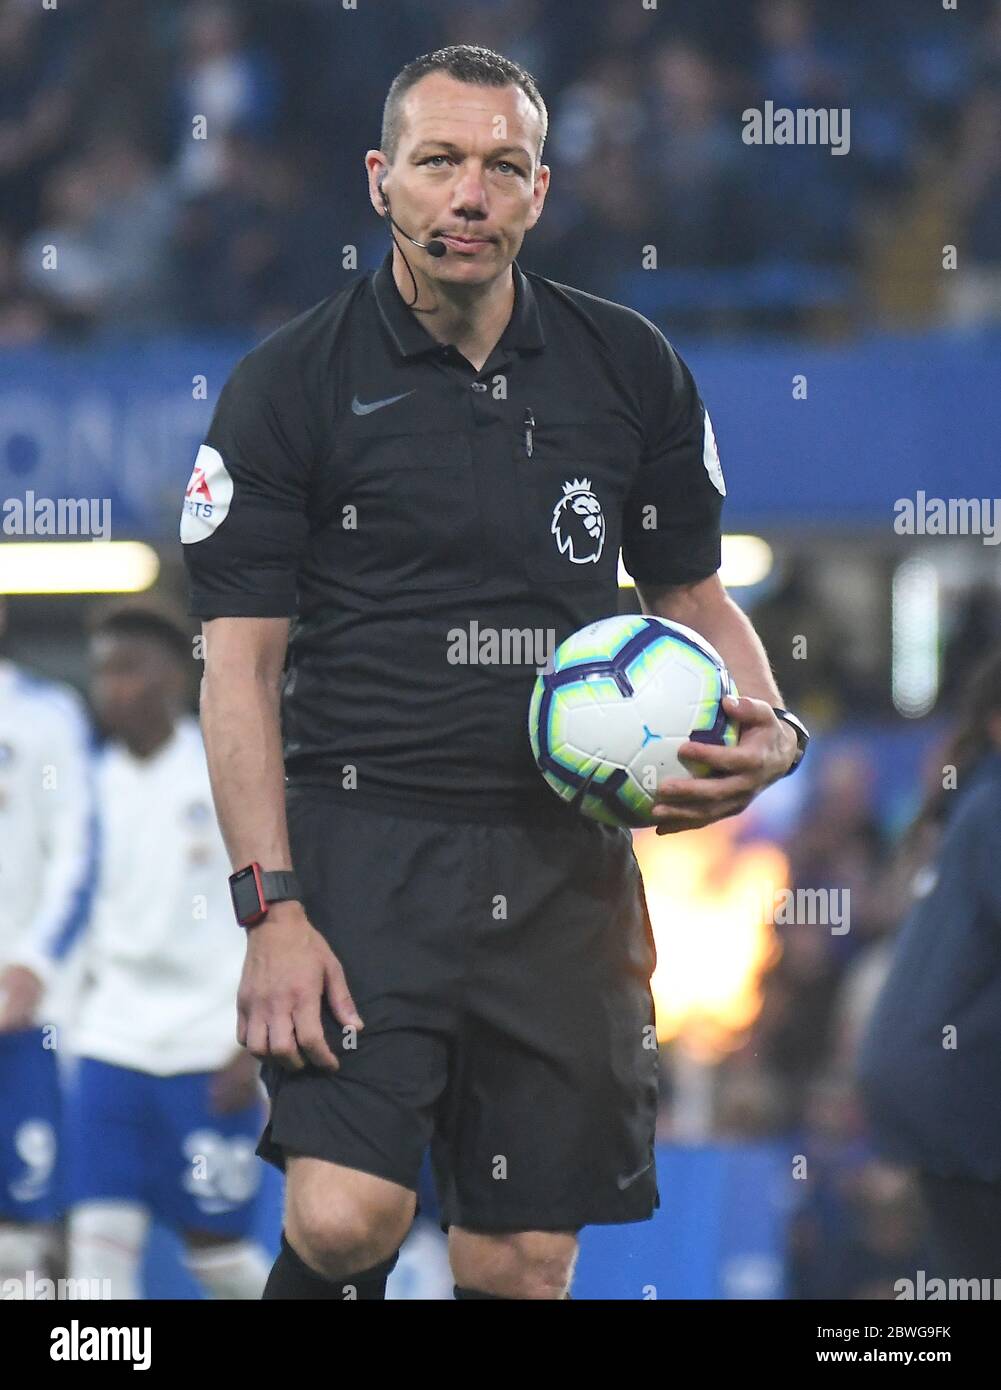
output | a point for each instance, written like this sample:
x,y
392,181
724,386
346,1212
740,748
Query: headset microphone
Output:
x,y
434,247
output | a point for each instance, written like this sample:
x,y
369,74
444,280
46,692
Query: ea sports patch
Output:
x,y
207,496
710,457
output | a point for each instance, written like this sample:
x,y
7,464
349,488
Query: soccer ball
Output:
x,y
612,707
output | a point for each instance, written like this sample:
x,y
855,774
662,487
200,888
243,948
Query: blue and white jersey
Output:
x,y
164,953
48,826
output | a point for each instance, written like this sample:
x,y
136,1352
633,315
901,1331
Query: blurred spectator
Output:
x,y
795,68
63,260
928,1063
838,856
225,245
118,70
35,108
599,213
977,627
805,197
310,228
822,679
750,1103
134,223
696,159
224,80
859,1229
617,215
110,214
600,113
973,288
791,1038
841,846
265,245
516,28
24,316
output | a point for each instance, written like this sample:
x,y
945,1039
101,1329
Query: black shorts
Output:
x,y
503,976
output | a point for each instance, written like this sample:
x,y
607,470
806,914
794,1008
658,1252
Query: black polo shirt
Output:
x,y
436,530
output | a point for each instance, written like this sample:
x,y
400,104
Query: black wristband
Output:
x,y
801,732
280,885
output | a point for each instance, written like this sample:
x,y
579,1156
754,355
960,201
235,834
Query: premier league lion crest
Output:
x,y
578,523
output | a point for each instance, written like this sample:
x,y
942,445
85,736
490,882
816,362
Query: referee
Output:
x,y
446,455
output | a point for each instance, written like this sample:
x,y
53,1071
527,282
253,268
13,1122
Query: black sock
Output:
x,y
291,1277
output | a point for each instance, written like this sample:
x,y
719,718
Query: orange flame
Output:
x,y
714,938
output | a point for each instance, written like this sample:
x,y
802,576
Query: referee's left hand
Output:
x,y
764,754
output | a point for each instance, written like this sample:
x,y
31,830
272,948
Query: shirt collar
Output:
x,y
523,331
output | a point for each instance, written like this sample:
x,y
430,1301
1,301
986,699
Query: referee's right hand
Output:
x,y
287,970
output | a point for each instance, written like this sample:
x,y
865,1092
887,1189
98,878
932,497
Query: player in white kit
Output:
x,y
164,1110
47,865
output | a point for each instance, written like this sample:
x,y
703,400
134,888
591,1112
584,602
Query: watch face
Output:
x,y
247,898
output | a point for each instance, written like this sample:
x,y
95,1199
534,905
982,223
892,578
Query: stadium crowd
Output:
x,y
162,224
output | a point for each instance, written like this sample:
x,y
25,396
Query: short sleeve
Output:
x,y
671,521
245,523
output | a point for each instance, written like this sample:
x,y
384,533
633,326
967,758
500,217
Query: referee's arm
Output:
x,y
288,966
767,744
244,528
671,546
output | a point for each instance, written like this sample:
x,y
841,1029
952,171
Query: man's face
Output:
x,y
465,172
133,683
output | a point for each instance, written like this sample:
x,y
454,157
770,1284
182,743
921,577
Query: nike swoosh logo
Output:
x,y
625,1182
360,408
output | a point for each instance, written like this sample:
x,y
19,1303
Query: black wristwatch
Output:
x,y
801,732
253,889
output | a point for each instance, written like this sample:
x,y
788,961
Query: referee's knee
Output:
x,y
522,1264
341,1220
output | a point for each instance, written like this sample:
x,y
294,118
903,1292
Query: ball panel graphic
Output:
x,y
597,642
610,711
